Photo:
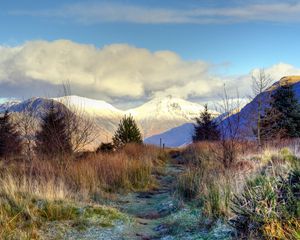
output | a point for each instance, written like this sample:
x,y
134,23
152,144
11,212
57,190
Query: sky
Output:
x,y
127,52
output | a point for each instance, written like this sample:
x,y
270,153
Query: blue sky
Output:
x,y
234,36
243,45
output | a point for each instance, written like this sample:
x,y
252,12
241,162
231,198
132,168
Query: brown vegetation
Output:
x,y
128,169
89,178
228,192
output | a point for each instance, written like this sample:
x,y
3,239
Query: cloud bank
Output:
x,y
91,13
114,72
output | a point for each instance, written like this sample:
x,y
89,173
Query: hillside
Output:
x,y
246,118
153,117
175,137
162,114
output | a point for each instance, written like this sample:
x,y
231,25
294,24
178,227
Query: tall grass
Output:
x,y
44,190
207,180
269,206
126,170
25,209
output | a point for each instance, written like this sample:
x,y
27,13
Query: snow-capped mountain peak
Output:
x,y
167,108
163,113
90,106
153,117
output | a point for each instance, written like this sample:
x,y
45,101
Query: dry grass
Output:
x,y
36,192
27,206
207,180
126,170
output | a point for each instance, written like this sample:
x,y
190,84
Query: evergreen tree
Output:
x,y
282,119
10,140
127,132
205,128
54,138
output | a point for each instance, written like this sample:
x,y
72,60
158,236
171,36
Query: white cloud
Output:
x,y
279,70
243,83
115,71
90,13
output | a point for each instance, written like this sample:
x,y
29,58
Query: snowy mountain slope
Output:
x,y
246,118
91,106
161,114
105,116
153,117
7,104
167,108
36,105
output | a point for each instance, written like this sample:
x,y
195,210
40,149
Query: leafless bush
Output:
x,y
81,127
27,124
229,127
260,82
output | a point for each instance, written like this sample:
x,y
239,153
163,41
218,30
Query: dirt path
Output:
x,y
151,208
157,214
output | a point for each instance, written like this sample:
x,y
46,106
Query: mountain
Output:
x,y
8,104
90,106
105,116
153,117
161,114
36,105
175,137
245,119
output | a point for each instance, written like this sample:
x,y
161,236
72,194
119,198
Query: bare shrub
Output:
x,y
229,127
260,83
27,124
81,127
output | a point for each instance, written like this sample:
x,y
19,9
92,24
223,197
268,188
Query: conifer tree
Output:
x,y
282,119
53,139
127,132
10,140
205,128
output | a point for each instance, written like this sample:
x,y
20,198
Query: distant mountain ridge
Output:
x,y
246,118
7,104
161,114
176,137
154,117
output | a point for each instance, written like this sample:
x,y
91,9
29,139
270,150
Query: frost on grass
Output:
x,y
92,222
188,223
25,217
